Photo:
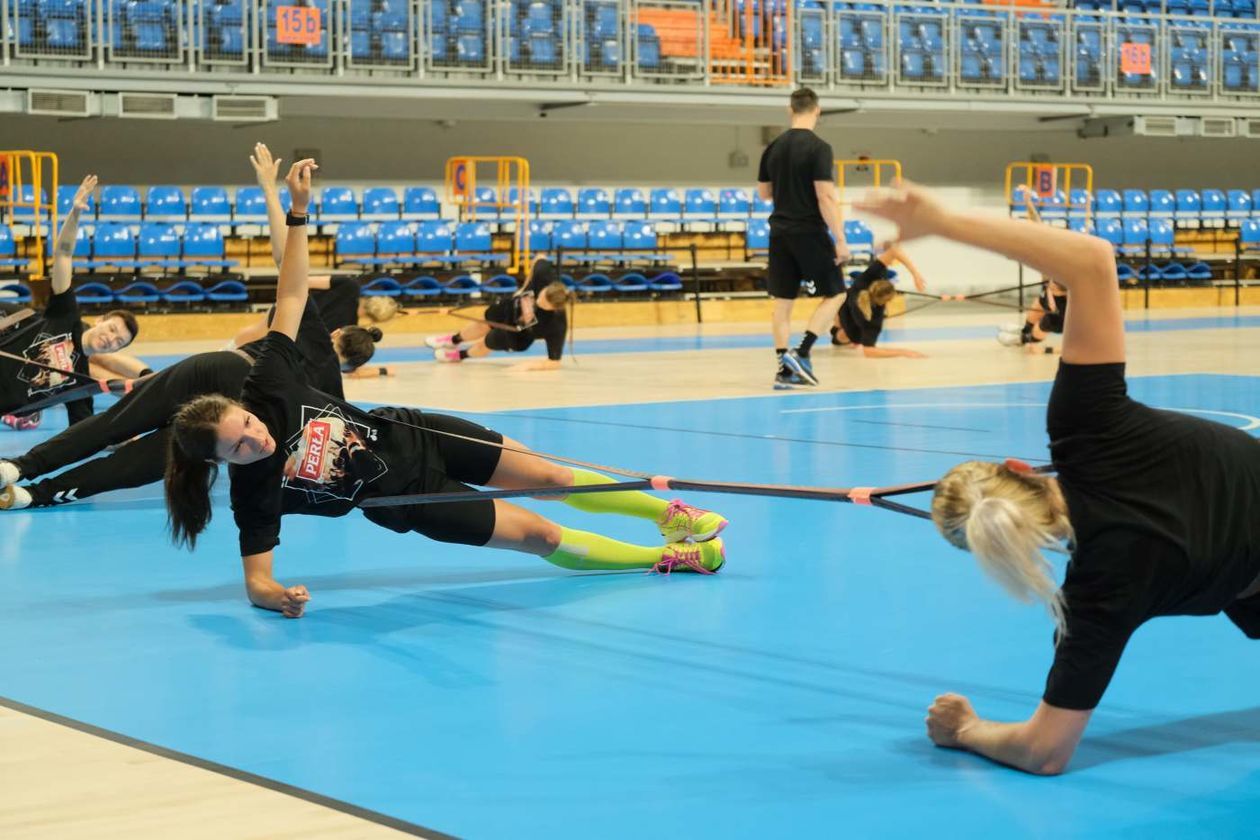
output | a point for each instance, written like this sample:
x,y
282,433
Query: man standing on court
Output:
x,y
796,173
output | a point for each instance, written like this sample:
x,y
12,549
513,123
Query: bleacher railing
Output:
x,y
872,48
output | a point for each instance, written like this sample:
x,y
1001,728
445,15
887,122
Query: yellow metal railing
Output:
x,y
23,171
511,193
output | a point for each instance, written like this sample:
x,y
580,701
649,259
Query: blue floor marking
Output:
x,y
487,694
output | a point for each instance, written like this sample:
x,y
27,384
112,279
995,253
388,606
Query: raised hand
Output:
x,y
84,192
299,181
266,169
911,208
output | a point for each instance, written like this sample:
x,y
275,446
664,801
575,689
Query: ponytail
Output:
x,y
1006,519
191,467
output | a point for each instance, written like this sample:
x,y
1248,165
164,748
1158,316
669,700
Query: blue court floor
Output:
x,y
485,694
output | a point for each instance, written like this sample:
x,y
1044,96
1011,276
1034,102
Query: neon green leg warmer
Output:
x,y
629,502
584,551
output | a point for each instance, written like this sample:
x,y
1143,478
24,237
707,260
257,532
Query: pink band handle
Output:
x,y
661,482
861,495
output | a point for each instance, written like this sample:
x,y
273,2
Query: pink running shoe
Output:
x,y
703,558
446,354
683,522
23,424
439,341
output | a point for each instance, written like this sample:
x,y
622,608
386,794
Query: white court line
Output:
x,y
1252,422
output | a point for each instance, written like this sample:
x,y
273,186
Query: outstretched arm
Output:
x,y
896,254
291,291
265,170
1043,744
118,364
63,250
1094,333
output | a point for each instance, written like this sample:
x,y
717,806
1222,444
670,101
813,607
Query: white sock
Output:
x,y
8,473
17,497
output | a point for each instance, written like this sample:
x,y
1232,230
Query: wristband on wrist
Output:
x,y
292,219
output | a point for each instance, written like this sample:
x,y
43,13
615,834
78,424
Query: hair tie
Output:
x,y
1017,466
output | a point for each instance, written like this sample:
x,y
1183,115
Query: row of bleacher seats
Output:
x,y
1187,208
195,245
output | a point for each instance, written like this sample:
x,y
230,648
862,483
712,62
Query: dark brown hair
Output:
x,y
804,100
129,321
357,345
192,466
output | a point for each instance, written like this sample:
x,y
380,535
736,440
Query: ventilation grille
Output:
x,y
1251,127
58,103
244,108
1155,126
1218,127
147,106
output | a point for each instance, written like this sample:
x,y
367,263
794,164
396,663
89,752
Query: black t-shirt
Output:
x,y
552,327
791,164
339,303
1165,511
54,339
860,329
323,368
329,454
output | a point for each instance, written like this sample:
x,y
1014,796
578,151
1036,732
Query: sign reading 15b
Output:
x,y
297,25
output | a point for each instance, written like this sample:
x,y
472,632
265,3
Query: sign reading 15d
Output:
x,y
297,25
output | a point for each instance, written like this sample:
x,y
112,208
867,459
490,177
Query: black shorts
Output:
x,y
459,464
797,257
507,341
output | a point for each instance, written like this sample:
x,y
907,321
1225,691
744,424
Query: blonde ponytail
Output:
x,y
1006,519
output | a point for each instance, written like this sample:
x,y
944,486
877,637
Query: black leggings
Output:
x,y
145,411
458,463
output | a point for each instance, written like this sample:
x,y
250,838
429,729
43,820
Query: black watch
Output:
x,y
295,220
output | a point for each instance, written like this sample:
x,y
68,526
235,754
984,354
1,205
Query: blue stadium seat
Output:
x,y
1199,272
396,241
185,291
666,282
422,287
1188,208
473,238
500,284
158,245
859,238
1136,235
421,203
338,204
94,294
1136,205
595,284
1126,275
1163,238
82,244
539,236
165,204
1173,273
204,246
734,204
470,49
228,291
139,292
649,48
1255,202
8,249
569,235
462,285
1107,203
1213,208
226,30
1080,204
210,204
1162,204
1150,273
355,242
65,195
629,202
639,237
762,208
605,238
555,203
593,203
1112,230
380,203
700,205
65,23
485,204
28,213
113,244
119,203
664,203
630,283
434,239
531,204
251,206
1081,225
382,287
1249,235
16,292
1237,206
758,236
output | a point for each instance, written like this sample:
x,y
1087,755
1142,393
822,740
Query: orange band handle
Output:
x,y
861,495
660,482
1018,466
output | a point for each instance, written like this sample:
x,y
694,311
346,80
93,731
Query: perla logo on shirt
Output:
x,y
328,458
52,350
